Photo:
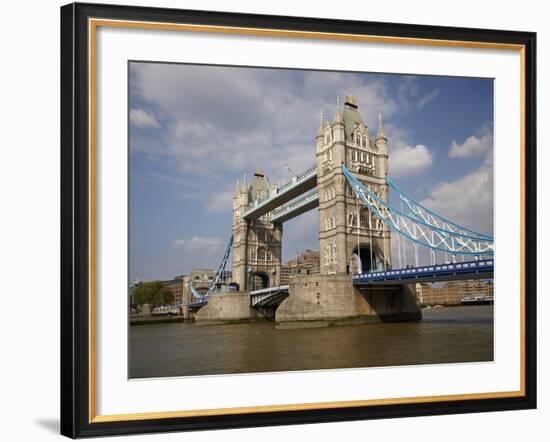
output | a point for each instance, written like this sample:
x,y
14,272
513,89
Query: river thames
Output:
x,y
445,335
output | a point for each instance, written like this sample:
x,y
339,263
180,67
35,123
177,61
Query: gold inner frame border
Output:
x,y
93,24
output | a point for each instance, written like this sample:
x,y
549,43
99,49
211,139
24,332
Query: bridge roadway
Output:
x,y
482,269
297,186
198,303
268,297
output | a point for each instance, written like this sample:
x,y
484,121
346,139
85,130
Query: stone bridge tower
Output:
x,y
256,258
350,236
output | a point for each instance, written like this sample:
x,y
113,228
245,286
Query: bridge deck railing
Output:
x,y
423,271
258,297
296,179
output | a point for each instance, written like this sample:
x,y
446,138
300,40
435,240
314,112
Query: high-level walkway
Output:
x,y
297,186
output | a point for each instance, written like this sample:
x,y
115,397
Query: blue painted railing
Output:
x,y
481,268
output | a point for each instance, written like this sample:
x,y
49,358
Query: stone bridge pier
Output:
x,y
230,308
322,300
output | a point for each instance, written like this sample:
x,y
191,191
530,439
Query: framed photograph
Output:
x,y
274,220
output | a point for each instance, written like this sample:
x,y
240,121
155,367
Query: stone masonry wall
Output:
x,y
320,300
226,308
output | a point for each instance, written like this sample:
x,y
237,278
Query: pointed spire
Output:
x,y
237,186
245,184
259,172
380,133
321,123
338,117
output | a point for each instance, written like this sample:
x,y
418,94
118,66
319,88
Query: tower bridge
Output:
x,y
357,282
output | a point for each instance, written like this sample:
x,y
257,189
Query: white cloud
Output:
x,y
204,245
220,201
427,98
407,160
222,121
478,145
467,201
142,119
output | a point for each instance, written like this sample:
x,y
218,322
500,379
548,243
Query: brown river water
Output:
x,y
446,335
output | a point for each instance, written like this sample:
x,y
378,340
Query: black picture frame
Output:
x,y
75,221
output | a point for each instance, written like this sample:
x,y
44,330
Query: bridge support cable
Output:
x,y
433,251
359,263
222,267
384,244
417,210
415,248
220,277
399,250
403,240
435,237
370,243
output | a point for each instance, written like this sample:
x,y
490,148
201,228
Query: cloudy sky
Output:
x,y
195,130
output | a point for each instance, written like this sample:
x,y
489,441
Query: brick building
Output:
x,y
308,263
452,292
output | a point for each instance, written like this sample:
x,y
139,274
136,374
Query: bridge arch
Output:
x,y
258,280
363,257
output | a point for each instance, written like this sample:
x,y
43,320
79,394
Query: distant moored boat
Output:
x,y
478,300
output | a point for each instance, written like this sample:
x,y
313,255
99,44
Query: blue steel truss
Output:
x,y
223,265
429,231
202,298
428,216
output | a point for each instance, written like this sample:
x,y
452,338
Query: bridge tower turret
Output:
x,y
381,145
351,238
320,132
256,259
240,234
